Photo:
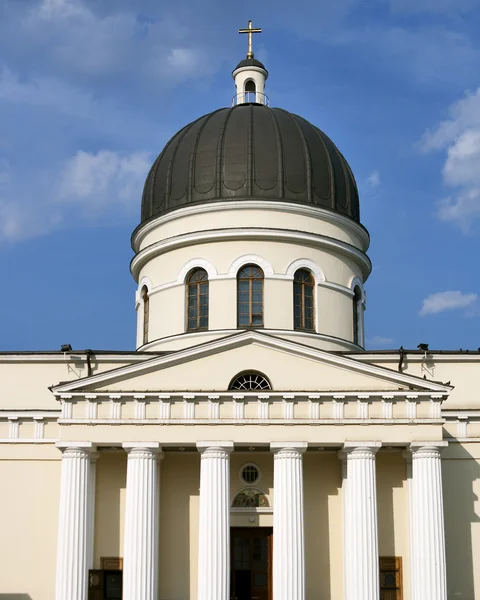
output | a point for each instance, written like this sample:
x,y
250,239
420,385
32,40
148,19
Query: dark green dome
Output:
x,y
250,152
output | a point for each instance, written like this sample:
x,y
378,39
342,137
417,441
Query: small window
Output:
x,y
390,578
250,474
146,313
250,296
303,300
357,316
197,300
250,498
250,381
250,86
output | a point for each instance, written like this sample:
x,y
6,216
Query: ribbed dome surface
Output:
x,y
250,152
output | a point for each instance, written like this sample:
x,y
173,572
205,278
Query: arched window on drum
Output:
x,y
250,296
357,317
146,313
197,300
303,300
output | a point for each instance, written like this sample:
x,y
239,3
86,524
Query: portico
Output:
x,y
359,526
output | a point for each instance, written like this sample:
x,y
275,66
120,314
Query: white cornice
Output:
x,y
61,358
274,206
309,337
250,233
368,356
245,338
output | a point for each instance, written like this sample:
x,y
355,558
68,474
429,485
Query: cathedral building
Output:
x,y
250,448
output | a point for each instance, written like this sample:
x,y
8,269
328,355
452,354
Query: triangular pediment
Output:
x,y
211,366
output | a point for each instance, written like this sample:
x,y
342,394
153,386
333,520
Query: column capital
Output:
x,y
352,450
288,449
139,448
74,448
427,449
215,449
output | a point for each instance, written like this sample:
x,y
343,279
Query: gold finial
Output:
x,y
250,30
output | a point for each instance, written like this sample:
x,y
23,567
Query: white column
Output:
x,y
214,530
360,537
74,521
140,554
427,544
91,510
288,522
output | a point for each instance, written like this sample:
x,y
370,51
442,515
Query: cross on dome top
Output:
x,y
250,30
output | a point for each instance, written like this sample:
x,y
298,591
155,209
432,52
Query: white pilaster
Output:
x,y
288,521
427,544
140,561
214,529
360,521
74,521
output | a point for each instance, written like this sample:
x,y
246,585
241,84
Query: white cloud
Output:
x,y
379,340
92,186
460,137
374,179
61,9
96,182
442,301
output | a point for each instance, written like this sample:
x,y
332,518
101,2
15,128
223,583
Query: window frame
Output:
x,y
250,299
357,316
189,285
146,313
303,285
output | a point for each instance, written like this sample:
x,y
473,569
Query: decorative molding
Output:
x,y
314,212
196,263
306,263
349,346
246,234
264,340
246,259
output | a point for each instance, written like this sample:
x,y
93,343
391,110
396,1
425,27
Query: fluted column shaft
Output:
x,y
214,528
74,522
427,545
140,554
288,521
360,533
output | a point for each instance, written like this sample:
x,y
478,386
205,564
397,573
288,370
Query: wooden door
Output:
x,y
251,563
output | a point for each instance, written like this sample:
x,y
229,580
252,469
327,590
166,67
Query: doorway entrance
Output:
x,y
251,563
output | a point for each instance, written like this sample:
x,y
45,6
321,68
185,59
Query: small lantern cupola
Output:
x,y
250,75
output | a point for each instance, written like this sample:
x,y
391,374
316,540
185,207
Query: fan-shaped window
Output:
x,y
146,311
250,296
250,381
303,303
250,498
357,316
197,300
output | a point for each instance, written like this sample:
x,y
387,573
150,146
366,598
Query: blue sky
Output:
x,y
90,91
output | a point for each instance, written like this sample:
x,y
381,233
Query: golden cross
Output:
x,y
250,30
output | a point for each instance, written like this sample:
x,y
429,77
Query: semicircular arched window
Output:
x,y
250,498
250,381
357,316
303,303
146,313
197,300
250,296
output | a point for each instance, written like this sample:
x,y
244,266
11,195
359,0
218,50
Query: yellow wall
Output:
x,y
29,497
461,488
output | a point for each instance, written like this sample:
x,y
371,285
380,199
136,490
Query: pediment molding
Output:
x,y
408,382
